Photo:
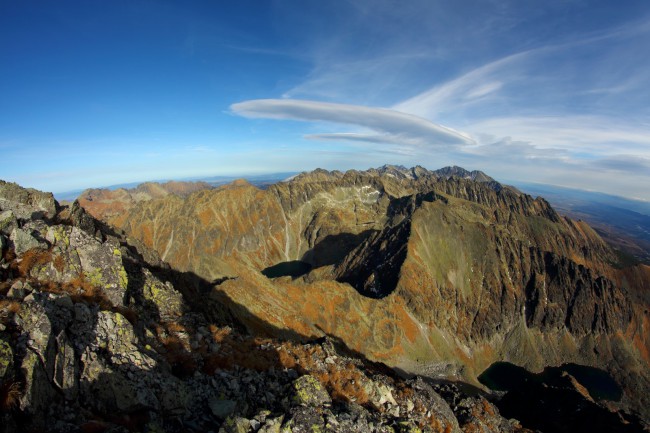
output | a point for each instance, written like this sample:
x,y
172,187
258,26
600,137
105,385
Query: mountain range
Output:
x,y
439,275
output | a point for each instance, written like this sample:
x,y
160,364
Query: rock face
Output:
x,y
435,272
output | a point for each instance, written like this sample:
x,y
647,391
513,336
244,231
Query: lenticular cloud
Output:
x,y
390,125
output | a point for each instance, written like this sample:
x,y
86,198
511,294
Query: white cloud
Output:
x,y
624,164
449,96
580,134
512,150
593,74
390,126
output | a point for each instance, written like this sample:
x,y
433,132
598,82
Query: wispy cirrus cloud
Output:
x,y
386,126
595,73
479,85
578,134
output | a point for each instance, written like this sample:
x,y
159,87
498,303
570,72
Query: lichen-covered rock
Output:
x,y
235,424
82,326
176,396
407,427
272,425
24,241
308,391
477,415
37,361
66,369
38,393
36,329
113,390
304,419
6,359
81,219
114,333
8,221
166,300
436,404
80,256
101,265
19,290
379,394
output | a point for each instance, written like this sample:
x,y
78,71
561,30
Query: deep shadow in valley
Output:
x,y
331,250
559,399
369,261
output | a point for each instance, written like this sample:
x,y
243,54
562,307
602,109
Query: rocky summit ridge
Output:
x,y
439,273
277,313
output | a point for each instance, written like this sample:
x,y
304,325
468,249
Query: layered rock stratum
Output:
x,y
439,273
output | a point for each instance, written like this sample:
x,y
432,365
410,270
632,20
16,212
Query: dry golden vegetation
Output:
x,y
235,350
79,288
344,381
176,349
31,259
8,308
59,263
10,391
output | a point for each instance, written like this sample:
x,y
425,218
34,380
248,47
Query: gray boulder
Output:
x,y
308,391
24,241
8,221
40,201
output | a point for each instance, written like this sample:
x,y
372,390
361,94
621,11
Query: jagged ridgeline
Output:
x,y
439,273
270,308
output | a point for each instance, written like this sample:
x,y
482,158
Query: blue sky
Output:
x,y
94,93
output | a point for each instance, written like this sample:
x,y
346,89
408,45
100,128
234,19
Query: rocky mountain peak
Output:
x,y
475,175
238,183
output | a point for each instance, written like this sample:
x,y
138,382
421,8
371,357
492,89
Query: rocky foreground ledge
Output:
x,y
98,335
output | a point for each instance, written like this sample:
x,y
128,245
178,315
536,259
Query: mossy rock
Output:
x,y
6,359
235,425
407,427
310,392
